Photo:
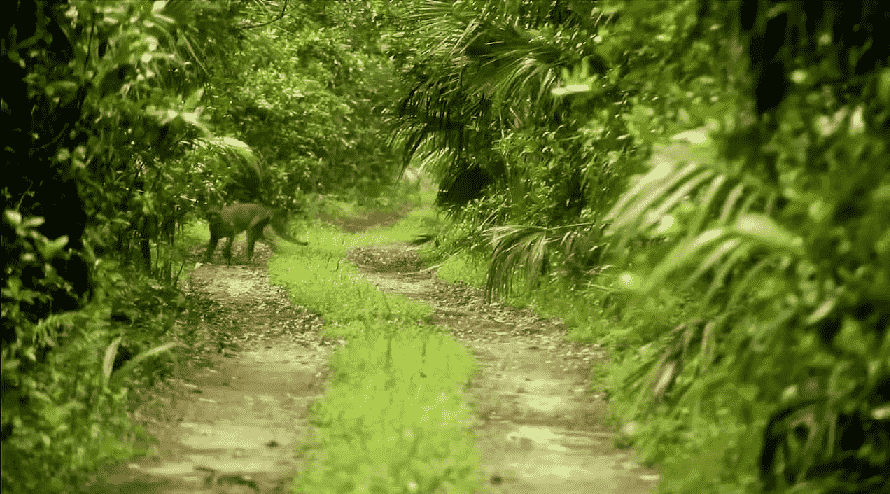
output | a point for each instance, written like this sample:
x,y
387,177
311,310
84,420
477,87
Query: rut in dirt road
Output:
x,y
237,411
538,429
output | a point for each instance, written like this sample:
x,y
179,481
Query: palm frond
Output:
x,y
482,72
524,251
727,234
707,199
724,221
648,190
514,247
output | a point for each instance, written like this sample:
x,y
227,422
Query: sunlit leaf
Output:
x,y
685,253
714,259
824,309
648,191
766,231
694,136
680,193
51,248
110,354
727,210
13,217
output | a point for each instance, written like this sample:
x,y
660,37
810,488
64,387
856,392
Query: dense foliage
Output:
x,y
308,96
754,243
714,175
94,110
123,120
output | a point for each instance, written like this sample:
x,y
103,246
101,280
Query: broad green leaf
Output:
x,y
193,100
694,136
51,248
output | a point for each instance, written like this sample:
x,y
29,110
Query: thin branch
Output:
x,y
277,18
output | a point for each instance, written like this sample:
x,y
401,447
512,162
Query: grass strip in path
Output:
x,y
395,417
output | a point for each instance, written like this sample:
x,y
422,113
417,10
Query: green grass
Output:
x,y
394,418
463,268
319,278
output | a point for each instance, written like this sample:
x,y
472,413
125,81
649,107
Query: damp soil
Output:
x,y
233,418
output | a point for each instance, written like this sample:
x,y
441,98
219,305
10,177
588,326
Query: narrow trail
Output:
x,y
232,421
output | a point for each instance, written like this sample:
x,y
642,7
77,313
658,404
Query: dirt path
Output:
x,y
538,429
232,424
